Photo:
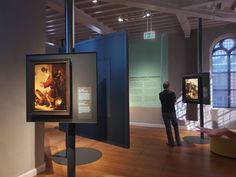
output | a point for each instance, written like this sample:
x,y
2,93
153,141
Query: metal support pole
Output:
x,y
69,17
62,43
200,45
70,133
200,70
70,150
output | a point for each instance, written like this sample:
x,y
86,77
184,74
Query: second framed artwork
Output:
x,y
192,92
48,88
196,88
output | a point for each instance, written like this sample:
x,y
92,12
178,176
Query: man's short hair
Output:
x,y
166,84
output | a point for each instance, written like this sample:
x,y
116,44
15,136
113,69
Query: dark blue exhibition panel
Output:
x,y
112,89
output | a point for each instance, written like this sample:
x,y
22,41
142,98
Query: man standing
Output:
x,y
168,99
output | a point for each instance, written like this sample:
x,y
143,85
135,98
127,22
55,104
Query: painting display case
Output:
x,y
192,89
61,88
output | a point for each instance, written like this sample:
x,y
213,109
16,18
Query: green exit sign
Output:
x,y
149,35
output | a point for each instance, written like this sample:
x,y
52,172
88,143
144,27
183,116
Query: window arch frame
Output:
x,y
229,72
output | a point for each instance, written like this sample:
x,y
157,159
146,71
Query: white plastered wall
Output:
x,y
21,32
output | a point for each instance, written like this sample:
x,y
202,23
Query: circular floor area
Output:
x,y
84,155
196,140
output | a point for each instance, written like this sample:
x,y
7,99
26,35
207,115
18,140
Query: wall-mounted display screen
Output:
x,y
192,89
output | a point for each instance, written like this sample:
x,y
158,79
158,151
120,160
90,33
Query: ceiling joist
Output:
x,y
175,9
199,3
166,16
184,23
81,17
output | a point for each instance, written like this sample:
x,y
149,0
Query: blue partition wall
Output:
x,y
113,97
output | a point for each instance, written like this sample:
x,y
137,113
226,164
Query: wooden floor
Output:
x,y
148,156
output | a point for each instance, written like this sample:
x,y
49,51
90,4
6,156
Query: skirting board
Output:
x,y
142,124
34,171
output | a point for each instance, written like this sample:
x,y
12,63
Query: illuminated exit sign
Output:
x,y
149,35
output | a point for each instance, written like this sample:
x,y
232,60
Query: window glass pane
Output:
x,y
232,62
224,73
233,99
220,80
228,43
233,52
219,52
220,99
219,63
217,45
232,80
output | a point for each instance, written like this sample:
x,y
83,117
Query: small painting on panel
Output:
x,y
192,89
48,88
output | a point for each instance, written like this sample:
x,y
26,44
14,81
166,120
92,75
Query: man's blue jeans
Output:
x,y
170,118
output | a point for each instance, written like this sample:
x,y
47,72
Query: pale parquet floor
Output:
x,y
148,156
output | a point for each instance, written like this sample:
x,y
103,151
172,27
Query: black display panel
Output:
x,y
206,95
62,88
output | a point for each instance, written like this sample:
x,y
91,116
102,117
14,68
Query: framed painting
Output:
x,y
192,92
48,88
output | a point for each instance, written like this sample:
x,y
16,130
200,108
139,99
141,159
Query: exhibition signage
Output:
x,y
149,35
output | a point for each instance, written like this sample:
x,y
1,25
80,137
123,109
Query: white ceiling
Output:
x,y
167,16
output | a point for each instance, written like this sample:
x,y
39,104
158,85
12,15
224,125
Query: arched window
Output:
x,y
224,73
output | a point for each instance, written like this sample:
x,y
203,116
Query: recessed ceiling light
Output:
x,y
94,1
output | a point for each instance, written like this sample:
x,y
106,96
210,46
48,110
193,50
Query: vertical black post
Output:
x,y
62,43
69,17
200,70
200,45
70,133
70,150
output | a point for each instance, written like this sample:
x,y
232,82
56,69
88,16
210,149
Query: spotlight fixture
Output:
x,y
120,19
94,1
147,14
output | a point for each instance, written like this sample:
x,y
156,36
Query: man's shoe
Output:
x,y
172,145
179,144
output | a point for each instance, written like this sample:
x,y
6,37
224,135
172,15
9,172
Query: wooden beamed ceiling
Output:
x,y
167,16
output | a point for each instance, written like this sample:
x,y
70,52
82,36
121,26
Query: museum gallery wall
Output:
x,y
21,143
182,60
148,68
